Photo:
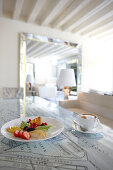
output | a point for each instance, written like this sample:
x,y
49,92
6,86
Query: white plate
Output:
x,y
57,128
98,129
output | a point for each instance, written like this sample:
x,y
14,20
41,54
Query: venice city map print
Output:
x,y
68,151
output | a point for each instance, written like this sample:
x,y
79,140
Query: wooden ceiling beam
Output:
x,y
74,24
41,47
56,48
92,24
99,25
73,9
36,10
59,51
63,51
100,30
55,11
32,46
46,50
18,9
105,34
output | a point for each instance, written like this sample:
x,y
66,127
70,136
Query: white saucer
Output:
x,y
98,129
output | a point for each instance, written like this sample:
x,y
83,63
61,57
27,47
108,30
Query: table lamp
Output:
x,y
30,81
66,80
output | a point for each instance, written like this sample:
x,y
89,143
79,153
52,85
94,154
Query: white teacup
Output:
x,y
88,121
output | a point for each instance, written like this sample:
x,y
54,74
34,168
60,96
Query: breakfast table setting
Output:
x,y
71,141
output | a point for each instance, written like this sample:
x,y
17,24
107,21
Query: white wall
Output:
x,y
97,65
9,47
45,72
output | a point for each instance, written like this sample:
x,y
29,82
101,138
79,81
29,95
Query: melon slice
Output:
x,y
39,134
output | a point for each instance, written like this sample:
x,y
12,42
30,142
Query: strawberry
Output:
x,y
34,125
16,133
20,133
26,135
31,125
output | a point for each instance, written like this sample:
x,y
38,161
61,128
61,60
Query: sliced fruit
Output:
x,y
31,125
12,129
37,120
16,133
20,133
26,135
34,125
39,134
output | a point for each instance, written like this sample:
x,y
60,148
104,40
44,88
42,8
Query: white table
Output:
x,y
71,150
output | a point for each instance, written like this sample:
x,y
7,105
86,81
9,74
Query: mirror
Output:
x,y
42,58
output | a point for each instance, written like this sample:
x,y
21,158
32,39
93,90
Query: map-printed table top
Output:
x,y
70,150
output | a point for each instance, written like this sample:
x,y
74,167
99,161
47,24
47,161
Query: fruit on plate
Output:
x,y
32,128
22,134
16,133
32,125
26,135
24,124
37,120
12,129
39,134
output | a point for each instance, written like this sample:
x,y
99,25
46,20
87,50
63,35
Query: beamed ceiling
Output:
x,y
36,49
83,17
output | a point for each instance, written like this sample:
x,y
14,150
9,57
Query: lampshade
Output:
x,y
66,78
30,78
